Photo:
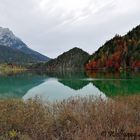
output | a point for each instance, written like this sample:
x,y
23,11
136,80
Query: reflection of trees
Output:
x,y
113,84
115,75
118,87
72,79
18,85
75,84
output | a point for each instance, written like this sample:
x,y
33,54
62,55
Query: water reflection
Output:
x,y
72,79
58,86
15,86
53,90
116,84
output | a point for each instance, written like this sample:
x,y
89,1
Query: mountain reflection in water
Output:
x,y
59,86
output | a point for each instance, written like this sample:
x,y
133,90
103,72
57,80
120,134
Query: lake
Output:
x,y
64,85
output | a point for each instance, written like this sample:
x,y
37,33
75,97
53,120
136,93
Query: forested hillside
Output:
x,y
11,55
121,52
73,59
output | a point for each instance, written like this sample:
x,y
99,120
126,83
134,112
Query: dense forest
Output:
x,y
121,52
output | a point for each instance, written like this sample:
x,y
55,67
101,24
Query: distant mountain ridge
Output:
x,y
73,59
121,52
8,39
12,55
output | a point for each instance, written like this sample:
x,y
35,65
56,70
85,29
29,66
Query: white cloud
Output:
x,y
54,26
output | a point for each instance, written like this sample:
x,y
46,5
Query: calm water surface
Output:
x,y
69,84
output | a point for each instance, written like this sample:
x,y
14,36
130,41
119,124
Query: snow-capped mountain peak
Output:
x,y
8,39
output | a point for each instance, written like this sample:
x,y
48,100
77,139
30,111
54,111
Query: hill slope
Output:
x,y
7,38
119,52
11,55
70,60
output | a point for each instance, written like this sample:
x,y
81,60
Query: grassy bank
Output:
x,y
80,119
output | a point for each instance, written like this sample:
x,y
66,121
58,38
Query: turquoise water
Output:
x,y
69,84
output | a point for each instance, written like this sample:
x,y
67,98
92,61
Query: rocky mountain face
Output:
x,y
73,59
8,39
121,52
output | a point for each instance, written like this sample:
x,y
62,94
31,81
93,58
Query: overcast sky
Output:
x,y
54,26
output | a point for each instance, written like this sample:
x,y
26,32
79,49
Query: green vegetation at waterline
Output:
x,y
11,68
74,119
